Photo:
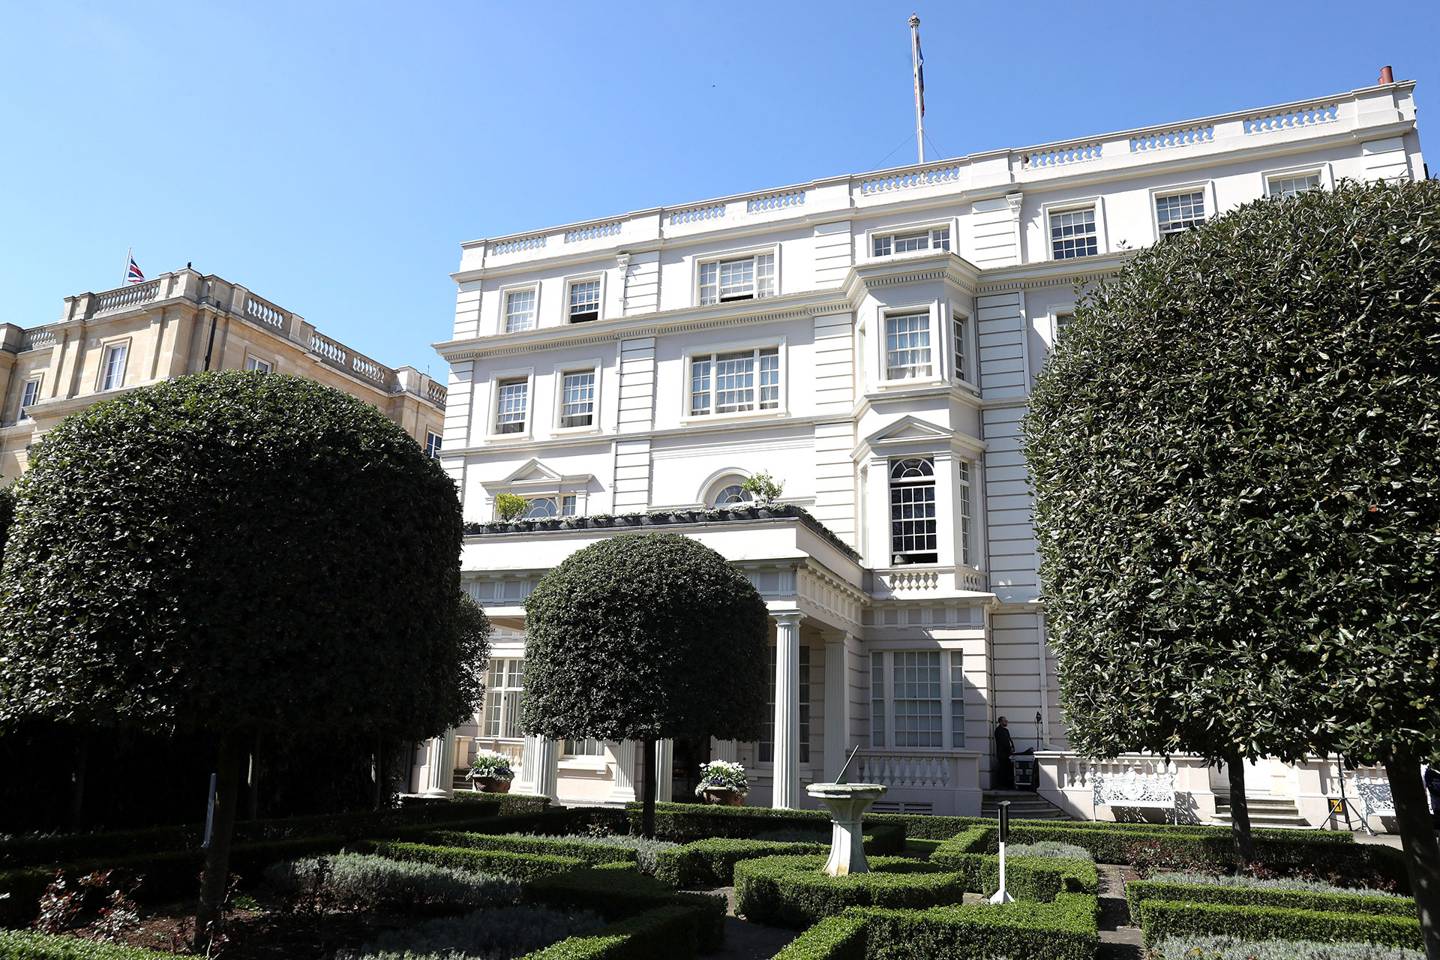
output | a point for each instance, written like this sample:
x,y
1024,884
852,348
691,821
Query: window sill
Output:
x,y
575,431
693,419
909,383
587,764
502,437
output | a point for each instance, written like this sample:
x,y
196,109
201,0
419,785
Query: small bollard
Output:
x,y
1002,895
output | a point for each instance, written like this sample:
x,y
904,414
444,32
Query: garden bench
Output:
x,y
1135,789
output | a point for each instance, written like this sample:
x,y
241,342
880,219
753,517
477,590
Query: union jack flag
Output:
x,y
134,274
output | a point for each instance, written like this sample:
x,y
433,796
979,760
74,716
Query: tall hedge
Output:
x,y
644,637
236,554
1236,460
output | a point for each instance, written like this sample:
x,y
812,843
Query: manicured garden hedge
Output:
x,y
500,863
615,890
1037,879
1163,919
590,853
663,933
792,892
686,822
841,937
1063,930
711,863
32,945
1138,892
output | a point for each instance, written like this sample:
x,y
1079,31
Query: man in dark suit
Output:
x,y
1004,748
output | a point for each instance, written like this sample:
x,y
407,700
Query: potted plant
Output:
x,y
722,783
510,507
491,772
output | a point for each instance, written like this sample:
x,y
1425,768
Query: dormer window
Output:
x,y
910,241
739,278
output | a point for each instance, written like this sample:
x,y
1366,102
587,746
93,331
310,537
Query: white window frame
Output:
x,y
102,384
772,249
891,485
1323,170
709,353
432,449
516,701
39,381
1102,244
1207,187
570,283
591,367
966,341
890,231
505,292
1058,321
936,345
258,364
882,700
498,378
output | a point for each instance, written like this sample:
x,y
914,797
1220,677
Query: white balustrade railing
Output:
x,y
519,244
262,311
436,392
1060,156
775,201
1166,139
328,349
906,770
38,337
911,581
126,297
593,231
706,211
368,369
909,179
1308,116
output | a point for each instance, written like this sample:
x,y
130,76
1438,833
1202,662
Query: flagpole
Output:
x,y
125,277
919,102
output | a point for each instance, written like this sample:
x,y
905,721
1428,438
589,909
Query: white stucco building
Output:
x,y
871,341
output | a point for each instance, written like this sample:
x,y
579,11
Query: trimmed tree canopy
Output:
x,y
237,552
1236,461
645,637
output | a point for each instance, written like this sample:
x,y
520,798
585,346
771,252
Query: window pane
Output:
x,y
700,386
765,275
1292,184
881,246
913,536
877,699
577,400
709,283
433,444
519,310
115,366
1072,234
907,346
584,300
510,409
737,278
1180,211
734,382
770,379
940,238
918,718
957,699
567,505
962,345
966,534
804,690
541,507
589,747
730,495
765,749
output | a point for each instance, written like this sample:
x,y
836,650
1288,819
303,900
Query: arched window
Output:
x,y
912,511
540,508
729,495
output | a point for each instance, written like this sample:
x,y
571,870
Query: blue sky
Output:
x,y
331,157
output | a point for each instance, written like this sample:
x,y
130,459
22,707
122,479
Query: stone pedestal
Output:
x,y
847,803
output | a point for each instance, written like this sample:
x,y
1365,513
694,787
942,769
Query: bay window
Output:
x,y
738,278
917,699
735,382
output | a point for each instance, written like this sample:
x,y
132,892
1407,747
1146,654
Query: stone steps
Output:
x,y
1024,805
1265,811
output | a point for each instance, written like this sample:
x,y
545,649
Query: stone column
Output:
x,y
785,777
664,762
440,766
837,702
546,769
622,789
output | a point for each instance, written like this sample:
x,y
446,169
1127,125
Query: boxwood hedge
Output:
x,y
1038,879
1062,930
791,891
500,863
1138,892
1163,919
615,890
674,932
591,853
841,937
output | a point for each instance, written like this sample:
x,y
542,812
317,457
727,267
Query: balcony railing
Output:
x,y
916,769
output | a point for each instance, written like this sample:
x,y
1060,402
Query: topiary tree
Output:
x,y
236,554
643,638
1236,460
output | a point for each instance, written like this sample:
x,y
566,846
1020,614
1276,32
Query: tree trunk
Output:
x,y
77,781
1240,811
647,787
1422,851
379,773
230,766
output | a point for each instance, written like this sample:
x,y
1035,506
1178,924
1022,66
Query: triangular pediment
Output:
x,y
532,471
908,429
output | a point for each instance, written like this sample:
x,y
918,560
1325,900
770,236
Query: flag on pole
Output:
x,y
919,73
133,273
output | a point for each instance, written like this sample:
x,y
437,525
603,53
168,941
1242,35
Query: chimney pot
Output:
x,y
1386,75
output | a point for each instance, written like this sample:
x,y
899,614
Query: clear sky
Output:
x,y
332,156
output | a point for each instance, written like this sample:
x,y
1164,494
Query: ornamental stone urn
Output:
x,y
491,784
847,803
723,796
